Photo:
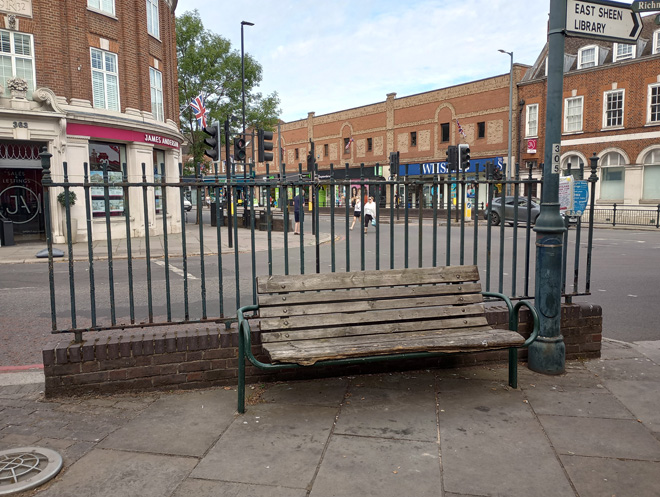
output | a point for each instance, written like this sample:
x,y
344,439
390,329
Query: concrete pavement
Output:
x,y
592,432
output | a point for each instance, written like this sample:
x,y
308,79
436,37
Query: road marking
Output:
x,y
175,270
21,288
632,295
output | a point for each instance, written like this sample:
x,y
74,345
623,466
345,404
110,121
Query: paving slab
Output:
x,y
588,402
649,349
110,473
206,488
417,381
390,413
638,369
642,398
185,424
618,438
491,443
270,444
324,392
374,466
598,477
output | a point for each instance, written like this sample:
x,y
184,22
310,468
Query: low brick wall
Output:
x,y
187,358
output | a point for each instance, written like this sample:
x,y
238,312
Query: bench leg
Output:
x,y
513,367
241,374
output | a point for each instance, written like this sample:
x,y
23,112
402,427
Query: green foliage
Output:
x,y
207,64
61,198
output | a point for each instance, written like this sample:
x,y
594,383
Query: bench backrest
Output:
x,y
311,306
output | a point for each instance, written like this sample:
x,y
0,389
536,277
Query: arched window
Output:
x,y
612,176
576,163
651,189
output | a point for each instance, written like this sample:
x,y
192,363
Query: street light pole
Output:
x,y
509,165
243,23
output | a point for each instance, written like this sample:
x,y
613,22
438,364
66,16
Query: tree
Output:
x,y
207,65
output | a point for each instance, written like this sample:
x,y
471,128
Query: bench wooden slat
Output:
x,y
370,305
310,352
472,322
363,279
384,316
268,300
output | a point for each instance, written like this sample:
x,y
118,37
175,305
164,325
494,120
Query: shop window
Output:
x,y
445,132
16,58
156,82
481,130
651,189
159,175
105,6
153,26
110,157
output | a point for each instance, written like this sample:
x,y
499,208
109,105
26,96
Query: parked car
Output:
x,y
533,210
187,204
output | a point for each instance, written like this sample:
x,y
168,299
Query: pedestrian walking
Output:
x,y
369,213
297,201
357,210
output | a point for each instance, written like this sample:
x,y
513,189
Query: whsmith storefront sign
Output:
x,y
437,168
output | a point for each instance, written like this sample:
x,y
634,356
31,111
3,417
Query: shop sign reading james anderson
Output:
x,y
18,7
161,140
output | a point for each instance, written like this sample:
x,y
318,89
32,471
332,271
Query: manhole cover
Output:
x,y
27,467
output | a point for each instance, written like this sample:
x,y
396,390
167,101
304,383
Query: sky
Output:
x,y
326,56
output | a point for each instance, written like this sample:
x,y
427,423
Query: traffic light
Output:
x,y
452,158
464,156
310,156
265,144
239,149
212,141
394,163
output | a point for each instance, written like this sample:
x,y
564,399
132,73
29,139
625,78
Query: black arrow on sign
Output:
x,y
635,24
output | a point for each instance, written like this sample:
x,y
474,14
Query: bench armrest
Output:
x,y
244,331
514,312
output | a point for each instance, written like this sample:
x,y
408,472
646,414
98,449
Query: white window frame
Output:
x,y
153,20
606,110
528,131
580,64
156,85
567,128
615,52
32,80
103,71
650,104
104,6
656,41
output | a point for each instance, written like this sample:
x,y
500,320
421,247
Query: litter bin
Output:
x,y
264,220
246,216
7,232
214,214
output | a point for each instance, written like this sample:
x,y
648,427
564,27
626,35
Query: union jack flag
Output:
x,y
348,144
460,129
197,104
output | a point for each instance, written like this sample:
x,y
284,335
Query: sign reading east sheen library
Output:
x,y
611,21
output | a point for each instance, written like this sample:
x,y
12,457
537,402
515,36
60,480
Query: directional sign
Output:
x,y
642,6
604,20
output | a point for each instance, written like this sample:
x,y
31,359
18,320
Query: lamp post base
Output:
x,y
547,355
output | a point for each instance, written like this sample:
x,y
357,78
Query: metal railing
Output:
x,y
215,276
628,215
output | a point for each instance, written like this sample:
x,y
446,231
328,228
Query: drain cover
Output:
x,y
27,467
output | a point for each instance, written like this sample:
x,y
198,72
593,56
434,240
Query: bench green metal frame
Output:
x,y
245,347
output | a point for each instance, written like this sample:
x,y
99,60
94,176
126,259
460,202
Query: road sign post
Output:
x,y
602,19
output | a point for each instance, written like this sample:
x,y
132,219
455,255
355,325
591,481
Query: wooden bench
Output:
x,y
366,316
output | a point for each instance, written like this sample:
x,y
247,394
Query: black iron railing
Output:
x,y
190,276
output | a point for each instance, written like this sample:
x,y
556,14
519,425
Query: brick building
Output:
x,y
101,88
420,127
611,108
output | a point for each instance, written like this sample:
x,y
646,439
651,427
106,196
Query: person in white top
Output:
x,y
357,211
369,212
